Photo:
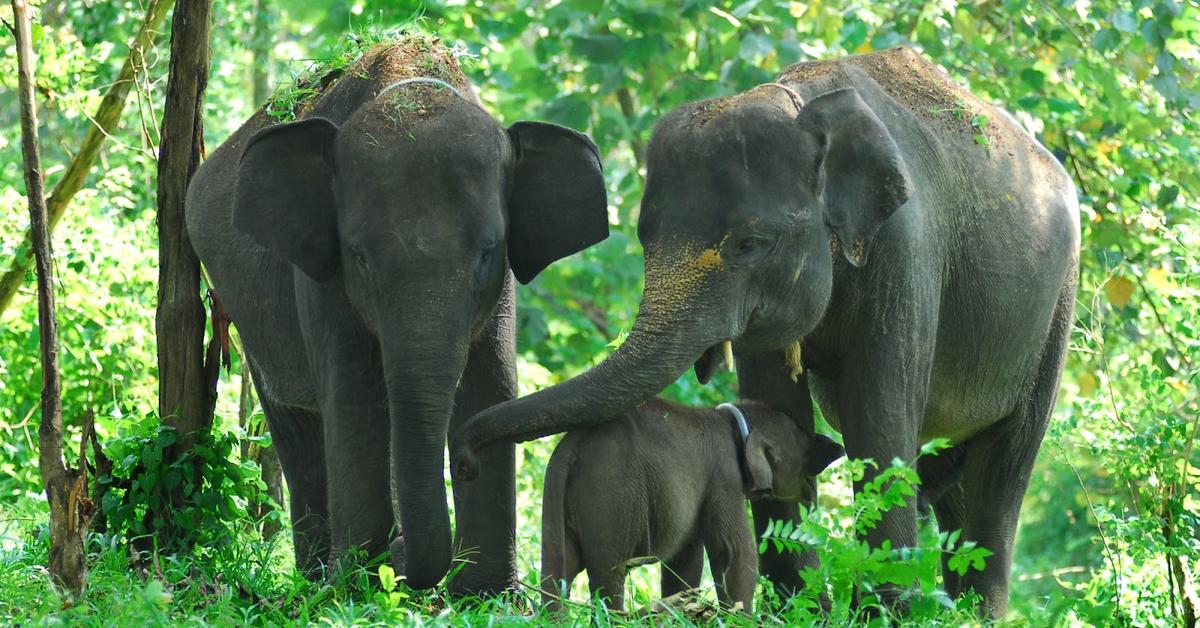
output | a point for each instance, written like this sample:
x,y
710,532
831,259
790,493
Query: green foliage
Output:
x,y
290,97
850,566
1109,88
197,499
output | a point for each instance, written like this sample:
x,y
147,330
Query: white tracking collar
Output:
x,y
743,426
419,79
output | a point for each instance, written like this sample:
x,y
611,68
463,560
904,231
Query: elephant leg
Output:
x,y
360,504
485,509
767,377
951,512
556,586
1000,462
733,558
298,439
607,582
684,570
347,367
941,490
880,400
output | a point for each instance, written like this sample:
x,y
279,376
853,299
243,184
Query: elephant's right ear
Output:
x,y
759,465
861,177
284,194
558,204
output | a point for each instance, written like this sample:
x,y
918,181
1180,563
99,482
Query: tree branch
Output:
x,y
108,114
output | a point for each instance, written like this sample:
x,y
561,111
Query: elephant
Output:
x,y
869,235
366,254
685,474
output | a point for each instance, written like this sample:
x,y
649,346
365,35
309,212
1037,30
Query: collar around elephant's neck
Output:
x,y
736,413
797,100
419,79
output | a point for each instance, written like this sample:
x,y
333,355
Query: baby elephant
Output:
x,y
664,482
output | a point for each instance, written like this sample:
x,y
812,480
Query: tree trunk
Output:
x,y
260,47
66,489
108,114
187,381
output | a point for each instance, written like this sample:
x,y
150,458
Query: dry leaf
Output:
x,y
1118,290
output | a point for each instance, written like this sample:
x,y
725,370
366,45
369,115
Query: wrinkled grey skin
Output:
x,y
930,280
363,253
663,482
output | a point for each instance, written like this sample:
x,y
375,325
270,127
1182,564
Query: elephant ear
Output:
x,y
758,464
557,205
821,453
284,194
861,177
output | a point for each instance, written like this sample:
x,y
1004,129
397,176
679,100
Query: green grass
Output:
x,y
289,97
253,582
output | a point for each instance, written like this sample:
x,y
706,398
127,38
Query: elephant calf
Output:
x,y
663,482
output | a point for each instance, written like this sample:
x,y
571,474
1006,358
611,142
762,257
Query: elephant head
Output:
x,y
749,201
417,206
781,458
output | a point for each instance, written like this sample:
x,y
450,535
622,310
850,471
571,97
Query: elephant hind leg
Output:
x,y
299,441
684,570
1000,462
606,581
950,509
559,571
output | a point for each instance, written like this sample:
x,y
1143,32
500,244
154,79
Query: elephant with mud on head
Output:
x,y
363,252
856,243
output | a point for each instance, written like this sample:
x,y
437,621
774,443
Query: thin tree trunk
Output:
x,y
66,489
108,114
187,384
260,47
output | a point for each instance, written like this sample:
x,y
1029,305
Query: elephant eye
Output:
x,y
750,244
359,258
486,256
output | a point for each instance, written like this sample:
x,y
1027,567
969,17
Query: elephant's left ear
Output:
x,y
861,176
558,205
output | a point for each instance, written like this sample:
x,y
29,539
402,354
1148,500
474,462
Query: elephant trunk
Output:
x,y
421,382
670,333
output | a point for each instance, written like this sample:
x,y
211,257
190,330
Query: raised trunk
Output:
x,y
660,347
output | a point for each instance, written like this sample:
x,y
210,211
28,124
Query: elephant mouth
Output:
x,y
713,358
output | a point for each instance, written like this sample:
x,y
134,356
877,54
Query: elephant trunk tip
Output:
x,y
466,463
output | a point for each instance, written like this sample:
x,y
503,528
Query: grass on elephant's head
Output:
x,y
289,99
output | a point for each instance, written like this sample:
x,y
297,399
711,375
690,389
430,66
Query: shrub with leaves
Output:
x,y
850,568
201,497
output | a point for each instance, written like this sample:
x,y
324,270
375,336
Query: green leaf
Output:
x,y
1033,78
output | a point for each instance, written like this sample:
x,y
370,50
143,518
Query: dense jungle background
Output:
x,y
1109,527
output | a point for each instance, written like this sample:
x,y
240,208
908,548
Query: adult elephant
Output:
x,y
363,252
928,275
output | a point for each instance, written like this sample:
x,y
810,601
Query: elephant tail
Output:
x,y
557,555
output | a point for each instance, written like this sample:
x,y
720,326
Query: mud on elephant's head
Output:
x,y
417,202
750,201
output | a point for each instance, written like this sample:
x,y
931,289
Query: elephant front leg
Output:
x,y
485,509
353,399
733,558
880,411
356,451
